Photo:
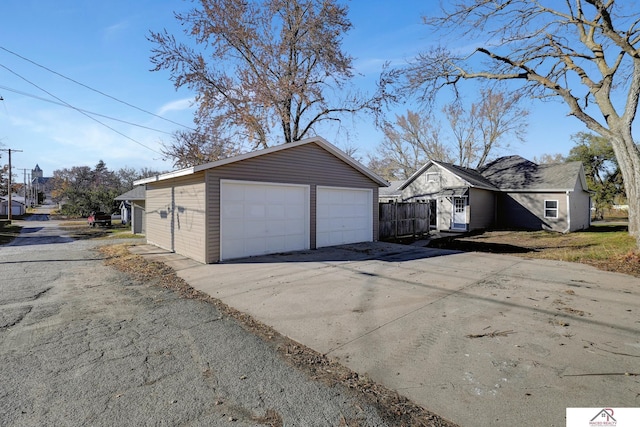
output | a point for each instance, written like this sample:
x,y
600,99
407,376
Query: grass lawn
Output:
x,y
79,229
606,246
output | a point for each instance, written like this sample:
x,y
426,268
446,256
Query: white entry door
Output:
x,y
343,215
262,218
459,213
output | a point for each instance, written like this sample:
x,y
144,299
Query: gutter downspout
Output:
x,y
568,214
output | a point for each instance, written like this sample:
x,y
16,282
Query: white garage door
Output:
x,y
262,218
344,215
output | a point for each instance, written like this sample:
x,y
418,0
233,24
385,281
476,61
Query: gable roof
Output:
x,y
15,200
509,173
319,141
392,190
470,176
137,193
514,173
473,177
41,179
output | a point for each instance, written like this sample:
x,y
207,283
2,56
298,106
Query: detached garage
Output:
x,y
303,195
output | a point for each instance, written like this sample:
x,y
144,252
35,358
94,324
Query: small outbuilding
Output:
x,y
17,206
132,206
296,196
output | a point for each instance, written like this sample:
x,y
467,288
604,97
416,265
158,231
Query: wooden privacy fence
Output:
x,y
403,219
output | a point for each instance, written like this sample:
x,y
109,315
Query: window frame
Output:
x,y
555,209
432,176
461,208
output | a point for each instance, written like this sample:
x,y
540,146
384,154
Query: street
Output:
x,y
83,344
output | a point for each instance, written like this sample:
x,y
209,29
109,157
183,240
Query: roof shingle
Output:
x,y
517,173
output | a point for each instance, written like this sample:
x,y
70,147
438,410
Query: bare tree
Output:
x,y
548,159
351,151
195,148
127,176
499,116
463,128
474,133
410,142
585,53
484,128
385,167
264,67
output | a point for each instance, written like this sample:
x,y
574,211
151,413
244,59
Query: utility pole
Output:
x,y
30,181
9,150
24,184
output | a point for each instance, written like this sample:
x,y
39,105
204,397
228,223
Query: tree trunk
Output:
x,y
628,158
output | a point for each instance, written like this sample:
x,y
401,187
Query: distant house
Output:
x,y
132,206
510,192
17,205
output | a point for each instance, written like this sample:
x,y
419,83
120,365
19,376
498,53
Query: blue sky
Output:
x,y
103,45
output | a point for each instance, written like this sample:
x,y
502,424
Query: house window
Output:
x,y
551,209
432,176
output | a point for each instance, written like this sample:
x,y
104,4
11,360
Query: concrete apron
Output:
x,y
480,339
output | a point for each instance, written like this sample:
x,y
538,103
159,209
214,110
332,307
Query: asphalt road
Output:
x,y
82,344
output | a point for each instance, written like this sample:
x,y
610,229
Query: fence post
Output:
x,y
395,219
415,220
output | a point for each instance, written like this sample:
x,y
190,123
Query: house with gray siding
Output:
x,y
296,196
548,197
132,207
510,192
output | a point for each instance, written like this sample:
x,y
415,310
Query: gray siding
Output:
x,y
425,187
481,209
137,217
516,209
580,208
526,210
307,164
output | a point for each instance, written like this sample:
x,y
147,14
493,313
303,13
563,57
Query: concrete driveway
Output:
x,y
479,339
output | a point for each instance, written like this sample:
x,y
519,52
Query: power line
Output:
x,y
80,111
92,89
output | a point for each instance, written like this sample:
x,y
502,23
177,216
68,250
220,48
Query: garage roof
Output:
x,y
319,141
137,193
